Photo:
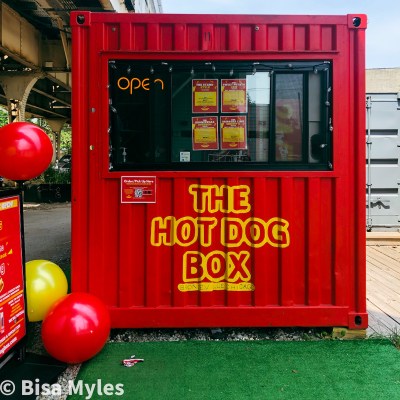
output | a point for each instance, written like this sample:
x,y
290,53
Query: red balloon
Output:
x,y
25,151
76,328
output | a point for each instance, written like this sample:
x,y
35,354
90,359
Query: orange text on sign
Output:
x,y
132,84
218,270
214,198
216,266
186,231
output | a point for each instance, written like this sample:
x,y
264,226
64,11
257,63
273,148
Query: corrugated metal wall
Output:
x,y
316,280
196,36
383,169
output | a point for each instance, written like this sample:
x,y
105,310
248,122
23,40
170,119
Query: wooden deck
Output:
x,y
383,289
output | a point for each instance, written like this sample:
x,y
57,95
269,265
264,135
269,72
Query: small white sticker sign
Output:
x,y
184,156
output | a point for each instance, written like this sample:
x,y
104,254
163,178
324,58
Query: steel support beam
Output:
x,y
56,125
24,44
17,87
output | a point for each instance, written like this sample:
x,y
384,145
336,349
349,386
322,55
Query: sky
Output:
x,y
382,35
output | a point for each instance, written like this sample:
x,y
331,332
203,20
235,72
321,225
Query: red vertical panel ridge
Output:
x,y
341,278
234,37
287,262
359,156
260,37
96,270
326,240
139,39
314,241
334,38
207,37
110,228
193,37
297,251
221,42
262,264
246,37
287,38
180,37
314,37
153,259
328,38
164,270
167,37
234,299
112,32
207,299
274,37
301,41
80,197
180,208
153,32
133,252
126,36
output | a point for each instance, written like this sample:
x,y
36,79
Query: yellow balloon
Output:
x,y
45,284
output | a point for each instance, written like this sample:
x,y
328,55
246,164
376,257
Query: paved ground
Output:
x,y
48,232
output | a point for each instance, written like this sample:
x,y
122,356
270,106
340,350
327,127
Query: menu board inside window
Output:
x,y
233,132
205,133
233,96
205,95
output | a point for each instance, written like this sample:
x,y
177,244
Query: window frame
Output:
x,y
323,67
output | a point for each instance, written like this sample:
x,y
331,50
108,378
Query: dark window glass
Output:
x,y
288,117
223,115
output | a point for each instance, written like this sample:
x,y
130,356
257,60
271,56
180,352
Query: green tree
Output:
x,y
66,139
3,117
66,134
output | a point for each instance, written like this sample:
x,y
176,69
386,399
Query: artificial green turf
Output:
x,y
362,370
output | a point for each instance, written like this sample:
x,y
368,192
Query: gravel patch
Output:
x,y
228,334
62,384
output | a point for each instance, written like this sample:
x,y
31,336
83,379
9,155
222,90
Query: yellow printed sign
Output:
x,y
7,204
205,95
234,135
234,97
233,132
205,133
205,100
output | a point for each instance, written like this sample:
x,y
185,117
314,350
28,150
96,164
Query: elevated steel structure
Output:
x,y
35,53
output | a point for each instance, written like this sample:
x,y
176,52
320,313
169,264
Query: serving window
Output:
x,y
172,115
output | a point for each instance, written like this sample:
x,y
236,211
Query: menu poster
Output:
x,y
12,303
233,132
138,189
233,96
205,133
205,96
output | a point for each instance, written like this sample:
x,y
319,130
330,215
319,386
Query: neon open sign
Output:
x,y
135,83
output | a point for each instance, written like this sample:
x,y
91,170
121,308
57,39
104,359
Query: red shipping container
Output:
x,y
253,220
